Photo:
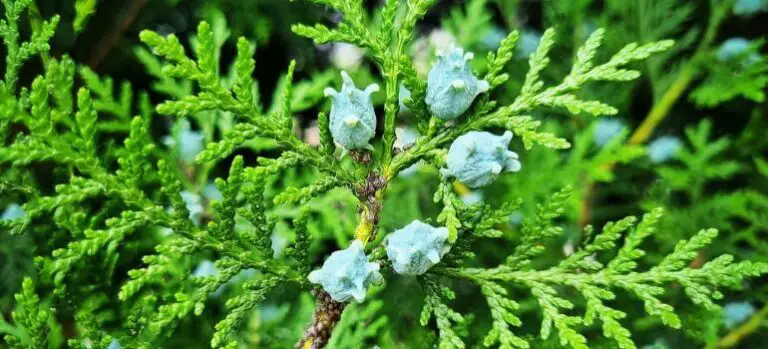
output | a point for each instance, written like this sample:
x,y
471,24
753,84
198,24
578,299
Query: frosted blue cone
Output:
x,y
749,7
115,344
13,211
451,86
415,248
735,48
206,268
735,313
347,274
352,118
607,129
478,158
664,148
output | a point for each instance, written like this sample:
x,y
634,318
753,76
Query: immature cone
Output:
x,y
451,86
735,49
415,248
749,7
606,130
347,274
664,148
352,118
477,158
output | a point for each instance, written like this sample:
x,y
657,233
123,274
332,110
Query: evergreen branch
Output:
x,y
445,317
686,75
302,195
84,9
32,316
109,193
239,308
540,227
497,60
596,281
447,216
240,100
533,94
19,52
325,317
502,312
361,323
392,70
106,100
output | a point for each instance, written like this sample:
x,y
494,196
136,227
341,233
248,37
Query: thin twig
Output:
x,y
327,314
112,38
327,311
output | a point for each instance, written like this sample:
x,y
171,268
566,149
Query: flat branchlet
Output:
x,y
144,185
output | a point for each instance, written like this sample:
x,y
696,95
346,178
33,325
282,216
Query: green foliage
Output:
x,y
32,319
700,162
359,324
708,158
238,310
470,24
595,281
446,318
649,20
135,242
84,9
729,80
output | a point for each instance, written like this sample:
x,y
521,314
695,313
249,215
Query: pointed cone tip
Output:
x,y
314,277
433,256
351,121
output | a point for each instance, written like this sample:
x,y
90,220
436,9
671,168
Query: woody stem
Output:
x,y
324,319
327,311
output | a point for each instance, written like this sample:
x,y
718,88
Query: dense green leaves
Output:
x,y
142,244
445,317
32,319
597,281
84,9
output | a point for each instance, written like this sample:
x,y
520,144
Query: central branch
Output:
x,y
327,311
370,193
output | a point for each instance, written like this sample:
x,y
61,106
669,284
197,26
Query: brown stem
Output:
x,y
327,314
112,38
327,311
370,194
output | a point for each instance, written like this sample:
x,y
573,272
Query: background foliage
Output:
x,y
91,257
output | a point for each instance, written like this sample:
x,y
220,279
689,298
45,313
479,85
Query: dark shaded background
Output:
x,y
106,42
106,45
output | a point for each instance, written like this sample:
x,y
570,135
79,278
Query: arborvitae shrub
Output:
x,y
141,242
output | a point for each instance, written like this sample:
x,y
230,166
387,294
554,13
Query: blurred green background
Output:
x,y
719,120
